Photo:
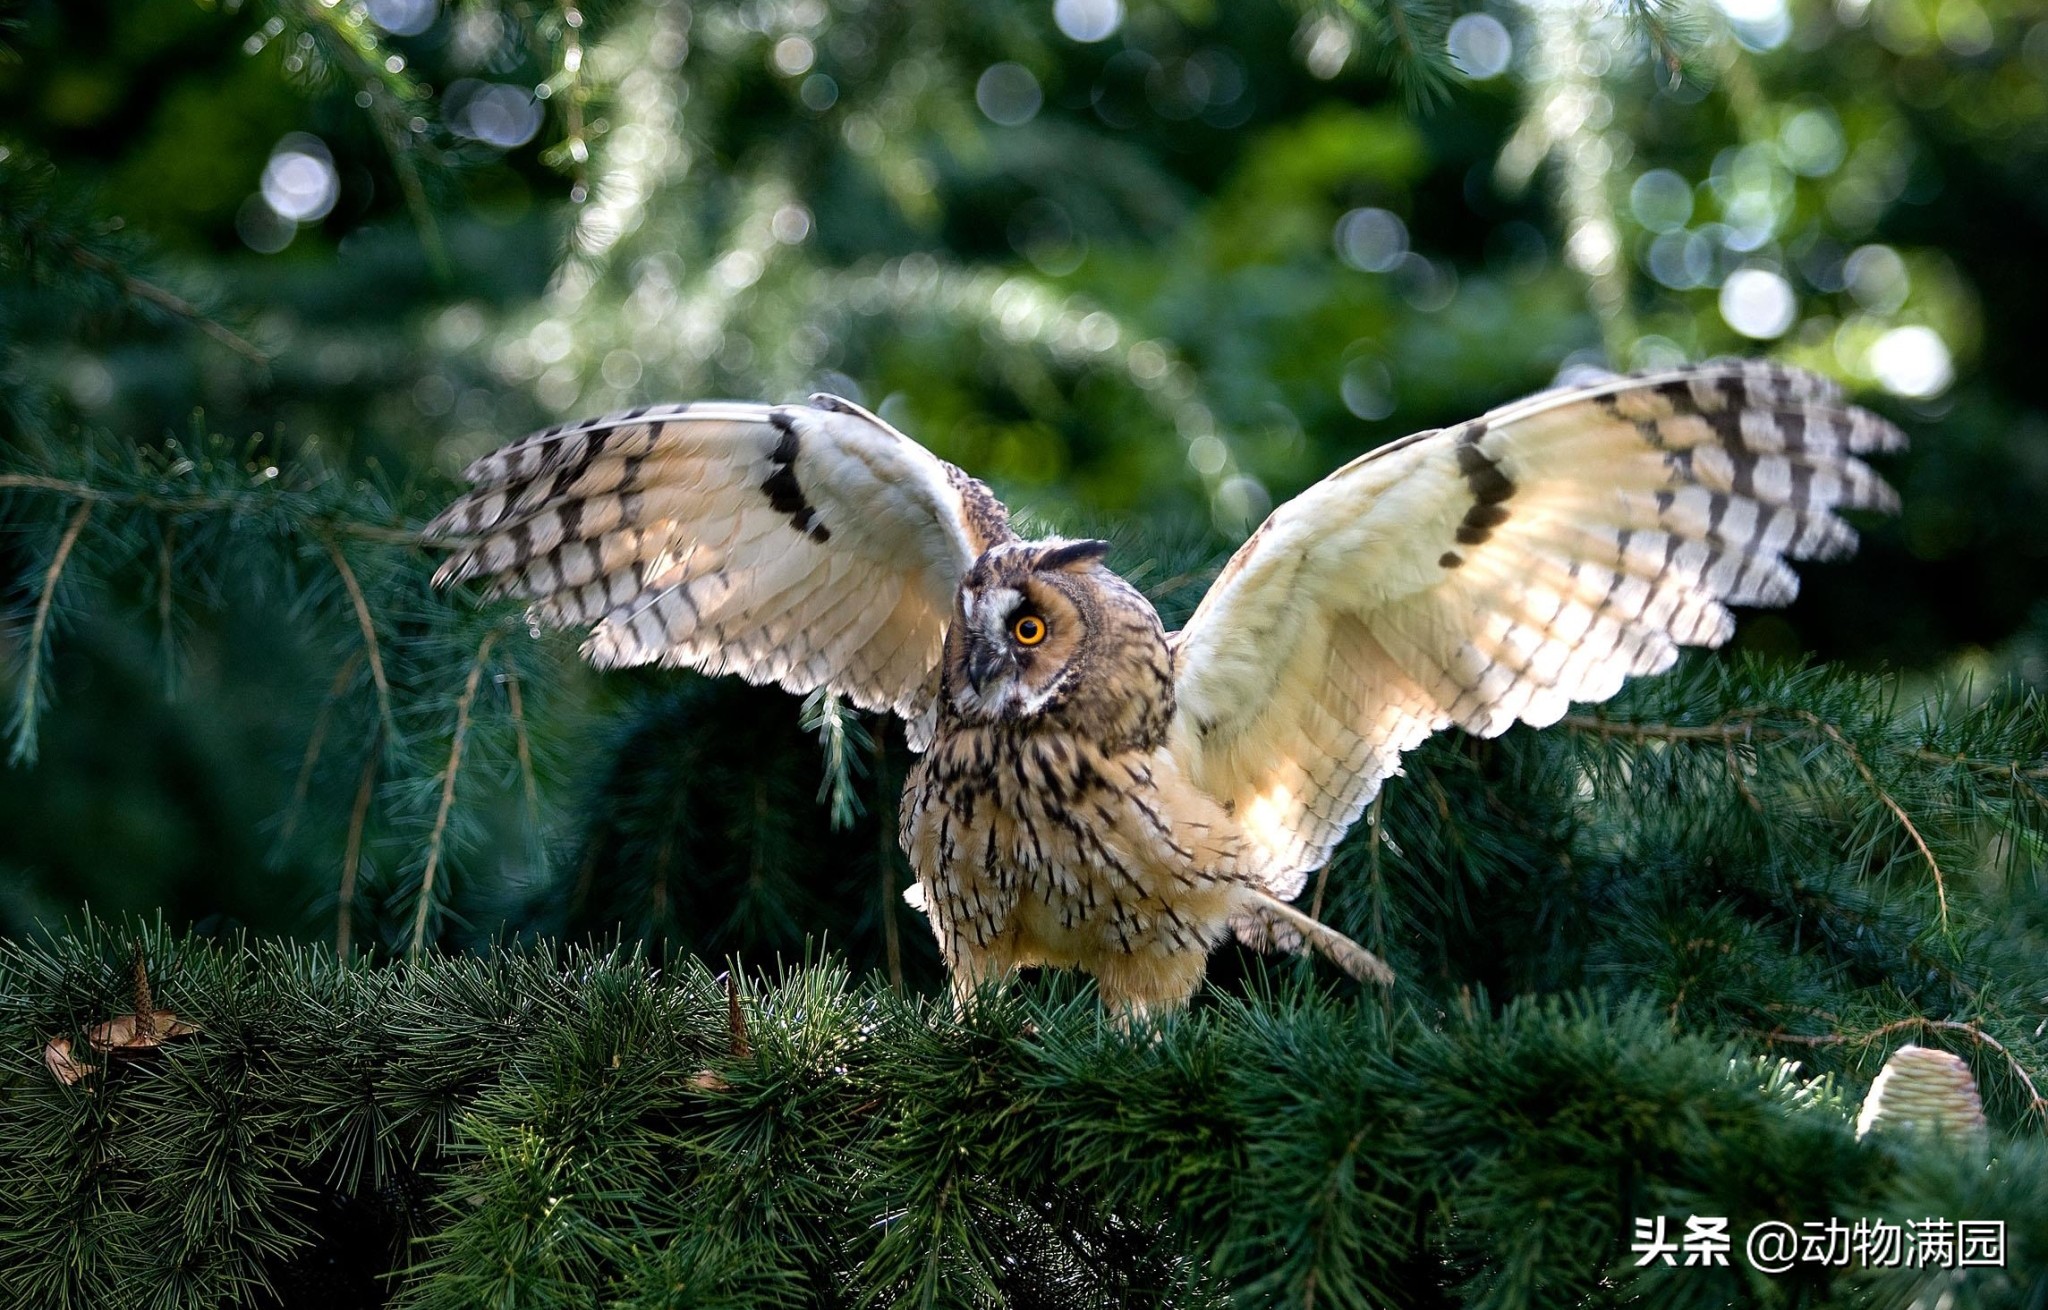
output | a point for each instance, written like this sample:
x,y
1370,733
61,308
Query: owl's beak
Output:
x,y
983,660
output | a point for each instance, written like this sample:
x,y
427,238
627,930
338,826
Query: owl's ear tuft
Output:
x,y
1072,554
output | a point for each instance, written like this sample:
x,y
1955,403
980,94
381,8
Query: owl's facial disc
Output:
x,y
1015,649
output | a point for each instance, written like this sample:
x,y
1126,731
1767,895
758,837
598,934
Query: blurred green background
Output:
x,y
1146,267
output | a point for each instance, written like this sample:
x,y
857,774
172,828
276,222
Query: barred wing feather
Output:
x,y
804,545
1498,571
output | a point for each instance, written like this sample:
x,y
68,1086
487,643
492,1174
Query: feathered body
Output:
x,y
1095,793
1048,824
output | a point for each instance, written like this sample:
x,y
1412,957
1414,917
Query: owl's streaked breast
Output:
x,y
1033,847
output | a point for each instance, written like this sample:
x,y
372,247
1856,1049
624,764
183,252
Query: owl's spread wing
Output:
x,y
1499,570
804,545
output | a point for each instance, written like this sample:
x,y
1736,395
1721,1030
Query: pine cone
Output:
x,y
1925,1090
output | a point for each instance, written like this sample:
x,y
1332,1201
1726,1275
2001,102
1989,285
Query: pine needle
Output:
x,y
352,854
368,627
28,704
515,702
314,741
437,837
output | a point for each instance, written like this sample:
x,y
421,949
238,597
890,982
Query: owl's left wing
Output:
x,y
1499,570
805,545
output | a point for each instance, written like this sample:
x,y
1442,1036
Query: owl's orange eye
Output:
x,y
1029,630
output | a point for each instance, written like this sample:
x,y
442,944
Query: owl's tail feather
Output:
x,y
1268,923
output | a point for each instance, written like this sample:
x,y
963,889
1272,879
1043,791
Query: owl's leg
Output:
x,y
971,970
1136,986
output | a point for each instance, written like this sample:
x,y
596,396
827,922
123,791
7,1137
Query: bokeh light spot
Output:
x,y
1042,231
1325,47
262,228
794,56
1239,503
1367,389
621,369
819,93
1650,353
1681,260
1371,240
1758,24
1425,284
1758,303
1088,20
1877,277
1661,200
1008,94
791,224
1912,361
1811,142
299,182
493,113
90,382
403,17
551,340
1592,246
1964,27
1480,45
737,270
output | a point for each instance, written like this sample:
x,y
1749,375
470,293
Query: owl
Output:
x,y
1095,792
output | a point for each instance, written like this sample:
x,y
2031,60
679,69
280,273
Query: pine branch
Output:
x,y
515,704
368,626
29,700
570,86
1671,29
199,502
166,556
843,737
1753,726
886,857
335,555
2036,1103
448,777
137,288
41,216
1407,40
352,854
567,1125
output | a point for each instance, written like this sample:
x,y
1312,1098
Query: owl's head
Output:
x,y
1036,624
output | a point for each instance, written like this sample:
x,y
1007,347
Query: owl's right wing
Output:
x,y
1499,570
805,545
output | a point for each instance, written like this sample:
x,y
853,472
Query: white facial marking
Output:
x,y
1037,700
986,614
987,611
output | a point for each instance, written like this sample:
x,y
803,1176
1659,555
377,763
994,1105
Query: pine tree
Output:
x,y
603,992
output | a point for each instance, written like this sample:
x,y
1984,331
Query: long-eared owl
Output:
x,y
1095,792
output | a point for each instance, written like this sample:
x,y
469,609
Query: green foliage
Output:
x,y
1136,303
178,534
1174,276
1726,869
542,1128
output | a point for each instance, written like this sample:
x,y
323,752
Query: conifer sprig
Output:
x,y
548,1127
197,527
